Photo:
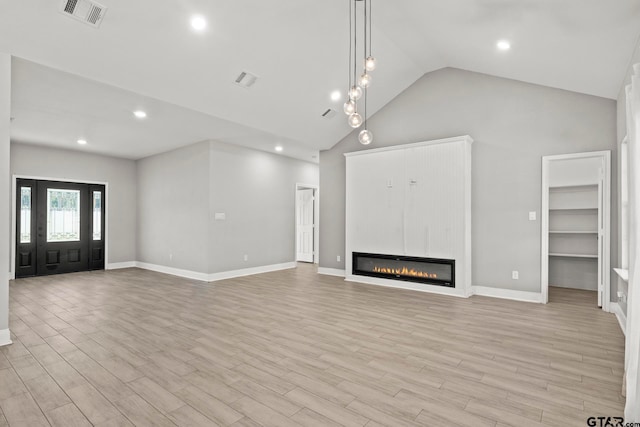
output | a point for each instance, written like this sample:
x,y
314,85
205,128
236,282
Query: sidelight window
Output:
x,y
97,215
25,214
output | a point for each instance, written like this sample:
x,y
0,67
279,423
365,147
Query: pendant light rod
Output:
x,y
359,79
370,38
350,43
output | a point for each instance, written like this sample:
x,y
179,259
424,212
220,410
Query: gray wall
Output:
x,y
256,191
622,132
513,125
173,208
120,174
180,192
5,192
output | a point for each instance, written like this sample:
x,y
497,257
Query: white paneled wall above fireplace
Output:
x,y
411,200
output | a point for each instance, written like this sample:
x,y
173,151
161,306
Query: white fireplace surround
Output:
x,y
412,200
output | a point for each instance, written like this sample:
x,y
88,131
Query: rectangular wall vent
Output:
x,y
329,113
87,11
246,79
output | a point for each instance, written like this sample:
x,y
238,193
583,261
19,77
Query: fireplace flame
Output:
x,y
404,271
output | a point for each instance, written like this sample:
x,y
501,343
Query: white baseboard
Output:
x,y
187,274
507,294
331,271
205,277
510,294
615,308
5,337
410,286
119,265
249,271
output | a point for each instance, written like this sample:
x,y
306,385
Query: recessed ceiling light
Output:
x,y
140,114
503,45
336,95
279,148
198,22
82,141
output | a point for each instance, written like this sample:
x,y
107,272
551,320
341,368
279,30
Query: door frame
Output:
x,y
605,155
316,220
14,219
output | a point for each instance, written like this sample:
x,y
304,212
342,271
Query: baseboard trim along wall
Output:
x,y
249,271
187,274
535,297
203,277
5,337
486,291
622,318
511,294
119,265
331,271
409,286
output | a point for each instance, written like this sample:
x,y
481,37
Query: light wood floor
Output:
x,y
294,348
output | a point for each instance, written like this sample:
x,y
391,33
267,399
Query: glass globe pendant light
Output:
x,y
355,120
349,107
370,63
365,137
355,93
364,80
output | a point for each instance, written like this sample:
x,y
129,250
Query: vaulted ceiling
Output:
x,y
72,80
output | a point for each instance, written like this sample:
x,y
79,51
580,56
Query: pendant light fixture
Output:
x,y
359,56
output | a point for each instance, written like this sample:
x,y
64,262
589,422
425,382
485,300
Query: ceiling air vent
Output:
x,y
329,113
87,11
246,79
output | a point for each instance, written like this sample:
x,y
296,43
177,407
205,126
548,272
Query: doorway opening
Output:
x,y
575,245
306,216
60,227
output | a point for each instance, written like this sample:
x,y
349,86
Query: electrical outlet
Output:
x,y
515,275
246,257
170,257
338,258
532,216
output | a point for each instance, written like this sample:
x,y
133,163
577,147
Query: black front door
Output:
x,y
60,227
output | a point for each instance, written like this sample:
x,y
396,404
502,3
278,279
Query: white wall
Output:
x,y
513,125
5,194
173,205
256,191
120,174
180,192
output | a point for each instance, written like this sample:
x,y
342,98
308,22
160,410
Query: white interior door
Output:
x,y
305,224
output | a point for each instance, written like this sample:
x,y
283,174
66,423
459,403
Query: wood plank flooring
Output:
x,y
293,348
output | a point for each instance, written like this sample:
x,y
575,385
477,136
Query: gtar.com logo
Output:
x,y
605,422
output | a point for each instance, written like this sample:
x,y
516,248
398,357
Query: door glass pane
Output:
x,y
63,215
25,214
97,215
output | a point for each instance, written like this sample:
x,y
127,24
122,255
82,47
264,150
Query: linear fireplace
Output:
x,y
432,271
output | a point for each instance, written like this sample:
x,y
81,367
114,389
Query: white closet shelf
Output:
x,y
573,232
573,209
576,187
623,273
574,255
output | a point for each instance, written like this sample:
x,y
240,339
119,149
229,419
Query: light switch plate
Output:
x,y
532,216
220,216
